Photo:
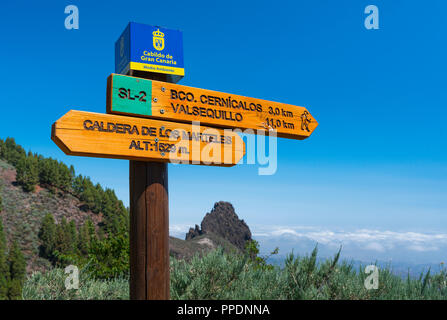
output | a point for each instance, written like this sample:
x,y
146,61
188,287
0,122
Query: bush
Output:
x,y
109,258
221,276
51,286
218,275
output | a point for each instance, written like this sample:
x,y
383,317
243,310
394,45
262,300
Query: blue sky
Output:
x,y
378,159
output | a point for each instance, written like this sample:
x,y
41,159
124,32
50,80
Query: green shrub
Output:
x,y
218,275
109,257
51,286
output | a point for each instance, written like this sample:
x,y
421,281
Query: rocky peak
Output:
x,y
224,222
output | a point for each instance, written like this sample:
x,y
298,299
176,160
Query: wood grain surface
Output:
x,y
110,136
160,100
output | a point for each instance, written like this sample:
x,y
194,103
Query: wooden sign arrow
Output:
x,y
160,100
110,136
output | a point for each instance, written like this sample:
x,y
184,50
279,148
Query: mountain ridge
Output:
x,y
223,221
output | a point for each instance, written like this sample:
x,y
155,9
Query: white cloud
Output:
x,y
179,230
421,248
375,246
369,239
359,243
281,232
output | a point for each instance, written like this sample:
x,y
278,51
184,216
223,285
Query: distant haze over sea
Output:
x,y
402,251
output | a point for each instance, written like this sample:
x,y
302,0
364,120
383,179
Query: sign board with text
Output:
x,y
150,49
91,134
154,99
150,123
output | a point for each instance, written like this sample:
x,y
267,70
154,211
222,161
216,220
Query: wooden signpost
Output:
x,y
91,134
160,100
170,135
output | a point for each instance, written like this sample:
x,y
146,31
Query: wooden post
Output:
x,y
149,226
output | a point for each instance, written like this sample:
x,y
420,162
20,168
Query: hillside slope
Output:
x,y
185,249
23,213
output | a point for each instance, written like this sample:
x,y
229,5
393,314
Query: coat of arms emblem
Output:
x,y
158,40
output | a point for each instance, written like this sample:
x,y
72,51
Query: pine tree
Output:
x,y
99,198
17,272
83,240
13,153
44,171
88,197
53,178
87,235
27,173
2,149
72,172
72,237
78,183
64,177
63,243
4,269
91,230
115,214
47,236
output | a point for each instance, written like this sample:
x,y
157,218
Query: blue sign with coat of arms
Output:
x,y
150,49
